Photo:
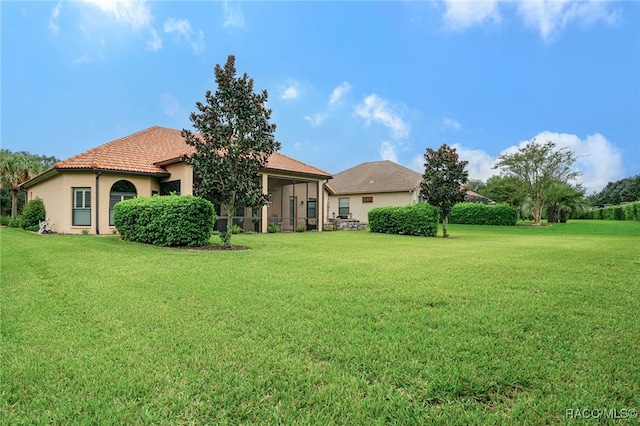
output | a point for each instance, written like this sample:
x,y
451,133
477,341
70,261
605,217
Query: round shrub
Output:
x,y
33,213
174,220
483,214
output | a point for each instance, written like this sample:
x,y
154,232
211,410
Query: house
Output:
x,y
80,192
353,192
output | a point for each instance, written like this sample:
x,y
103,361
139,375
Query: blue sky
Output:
x,y
348,82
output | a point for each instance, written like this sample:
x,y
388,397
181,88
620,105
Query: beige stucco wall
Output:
x,y
360,210
57,196
183,172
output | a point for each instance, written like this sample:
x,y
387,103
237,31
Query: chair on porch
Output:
x,y
275,220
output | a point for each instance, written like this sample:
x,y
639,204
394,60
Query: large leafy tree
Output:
x,y
233,142
620,191
444,176
537,169
18,167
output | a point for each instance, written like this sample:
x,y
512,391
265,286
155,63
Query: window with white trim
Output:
x,y
81,207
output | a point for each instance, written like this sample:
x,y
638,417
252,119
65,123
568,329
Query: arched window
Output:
x,y
120,191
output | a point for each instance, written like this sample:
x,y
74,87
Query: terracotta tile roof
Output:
x,y
375,177
145,151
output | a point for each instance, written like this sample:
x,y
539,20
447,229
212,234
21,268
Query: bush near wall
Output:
x,y
482,214
33,213
629,211
419,219
174,220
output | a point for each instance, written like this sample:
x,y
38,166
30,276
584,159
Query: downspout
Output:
x,y
97,202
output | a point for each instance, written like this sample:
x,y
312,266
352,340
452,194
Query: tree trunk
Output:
x,y
14,203
445,221
537,213
227,235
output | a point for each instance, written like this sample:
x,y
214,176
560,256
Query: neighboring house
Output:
x,y
79,193
353,192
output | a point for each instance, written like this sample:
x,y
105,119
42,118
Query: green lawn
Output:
x,y
496,325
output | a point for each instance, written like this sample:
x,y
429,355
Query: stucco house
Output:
x,y
80,192
353,192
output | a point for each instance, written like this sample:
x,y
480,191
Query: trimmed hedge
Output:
x,y
33,213
483,214
174,220
629,211
419,219
632,211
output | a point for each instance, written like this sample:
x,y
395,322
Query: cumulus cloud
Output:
x,y
599,160
233,17
547,17
480,163
155,43
375,109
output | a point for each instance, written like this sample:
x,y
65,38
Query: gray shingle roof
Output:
x,y
375,177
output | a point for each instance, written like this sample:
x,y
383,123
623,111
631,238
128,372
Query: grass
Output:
x,y
496,325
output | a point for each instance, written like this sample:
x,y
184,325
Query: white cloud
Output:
x,y
338,93
374,108
480,163
54,26
463,14
132,13
180,26
599,160
291,90
155,43
549,17
233,16
388,151
316,119
451,123
182,29
335,102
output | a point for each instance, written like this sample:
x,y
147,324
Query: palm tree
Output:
x,y
16,169
564,201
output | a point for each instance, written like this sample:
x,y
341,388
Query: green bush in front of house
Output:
x,y
419,219
483,214
174,220
33,213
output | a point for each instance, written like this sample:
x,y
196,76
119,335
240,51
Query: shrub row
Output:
x,y
629,211
174,220
483,214
419,219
